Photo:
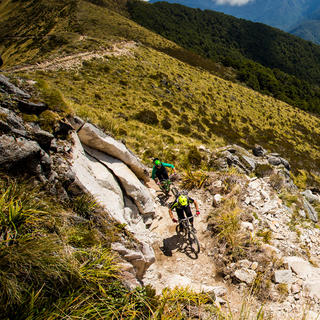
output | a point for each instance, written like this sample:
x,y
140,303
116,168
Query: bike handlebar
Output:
x,y
188,218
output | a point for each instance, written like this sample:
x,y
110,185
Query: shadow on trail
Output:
x,y
179,243
163,198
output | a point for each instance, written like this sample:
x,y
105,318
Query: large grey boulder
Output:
x,y
32,107
312,288
96,139
258,151
130,183
17,151
12,119
7,86
275,161
310,196
98,181
44,138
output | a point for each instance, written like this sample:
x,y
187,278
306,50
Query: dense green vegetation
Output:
x,y
266,59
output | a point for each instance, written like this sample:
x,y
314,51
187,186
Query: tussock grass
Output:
x,y
84,205
213,110
225,224
20,210
191,180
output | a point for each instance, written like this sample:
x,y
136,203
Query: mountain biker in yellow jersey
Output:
x,y
159,171
182,206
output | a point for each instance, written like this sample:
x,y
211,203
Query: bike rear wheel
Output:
x,y
174,191
165,187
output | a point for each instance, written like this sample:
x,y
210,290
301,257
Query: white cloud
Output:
x,y
233,2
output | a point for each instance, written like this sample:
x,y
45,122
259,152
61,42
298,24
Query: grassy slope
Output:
x,y
216,111
56,29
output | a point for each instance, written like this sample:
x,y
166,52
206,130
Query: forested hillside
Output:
x,y
297,17
266,59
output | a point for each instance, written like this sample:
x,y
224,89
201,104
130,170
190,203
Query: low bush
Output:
x,y
147,116
184,130
191,180
165,123
194,157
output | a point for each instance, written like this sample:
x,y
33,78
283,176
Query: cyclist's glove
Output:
x,y
197,213
174,220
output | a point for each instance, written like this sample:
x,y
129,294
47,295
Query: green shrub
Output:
x,y
266,235
165,123
82,236
184,130
194,157
20,207
30,117
300,180
167,104
147,116
191,180
33,273
48,120
54,98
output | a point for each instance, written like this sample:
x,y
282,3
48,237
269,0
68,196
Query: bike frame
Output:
x,y
187,220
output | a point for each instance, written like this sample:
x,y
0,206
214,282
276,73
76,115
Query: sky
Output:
x,y
233,2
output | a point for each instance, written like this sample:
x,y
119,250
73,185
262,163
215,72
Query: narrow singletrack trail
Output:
x,y
174,267
75,61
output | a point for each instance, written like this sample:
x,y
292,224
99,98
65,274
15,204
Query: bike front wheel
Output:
x,y
193,242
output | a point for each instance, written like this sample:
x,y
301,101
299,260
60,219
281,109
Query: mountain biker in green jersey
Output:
x,y
159,171
182,206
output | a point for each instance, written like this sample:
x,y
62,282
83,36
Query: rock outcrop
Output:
x,y
101,166
129,181
96,139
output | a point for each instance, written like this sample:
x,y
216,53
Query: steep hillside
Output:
x,y
82,229
163,107
160,105
266,59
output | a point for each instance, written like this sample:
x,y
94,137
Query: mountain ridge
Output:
x,y
289,15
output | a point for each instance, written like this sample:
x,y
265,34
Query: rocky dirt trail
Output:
x,y
176,268
75,61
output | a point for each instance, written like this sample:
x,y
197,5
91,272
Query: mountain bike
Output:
x,y
184,229
167,185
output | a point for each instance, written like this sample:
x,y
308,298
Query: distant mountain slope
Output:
x,y
266,59
281,14
309,30
287,15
